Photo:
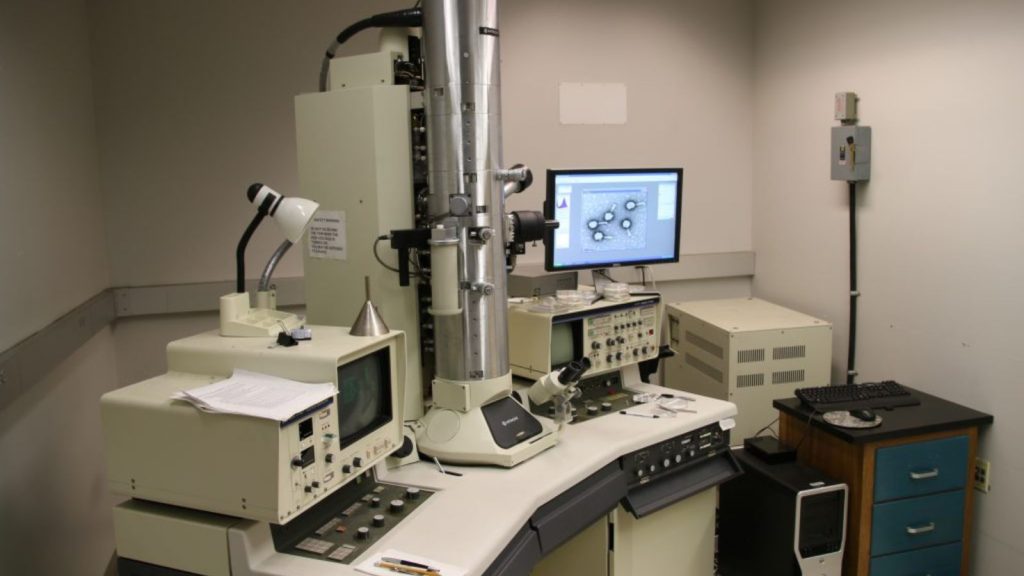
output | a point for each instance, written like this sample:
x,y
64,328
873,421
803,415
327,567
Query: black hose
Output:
x,y
408,18
851,353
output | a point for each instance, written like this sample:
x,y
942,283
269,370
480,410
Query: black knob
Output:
x,y
591,409
606,406
378,520
397,506
296,462
610,358
636,352
375,502
595,345
645,350
357,462
346,469
329,458
618,355
316,484
621,340
405,449
610,342
412,493
362,533
308,489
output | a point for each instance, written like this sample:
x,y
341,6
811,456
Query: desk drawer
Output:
x,y
934,561
917,522
921,468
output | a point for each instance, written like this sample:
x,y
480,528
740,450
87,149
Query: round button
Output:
x,y
652,468
397,506
591,409
621,340
362,533
357,461
610,358
595,345
375,502
610,342
378,520
412,493
346,469
606,406
679,458
639,472
666,463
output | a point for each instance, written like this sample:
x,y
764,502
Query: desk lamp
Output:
x,y
292,216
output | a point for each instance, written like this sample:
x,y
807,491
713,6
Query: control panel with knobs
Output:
x,y
675,454
348,522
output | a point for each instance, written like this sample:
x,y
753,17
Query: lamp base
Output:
x,y
238,319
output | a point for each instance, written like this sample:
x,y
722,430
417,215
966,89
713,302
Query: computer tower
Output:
x,y
781,520
746,351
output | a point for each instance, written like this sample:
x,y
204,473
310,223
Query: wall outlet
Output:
x,y
982,475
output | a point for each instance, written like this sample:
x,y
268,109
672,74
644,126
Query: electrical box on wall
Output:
x,y
851,153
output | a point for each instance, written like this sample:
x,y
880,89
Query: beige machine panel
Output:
x,y
746,351
355,159
168,451
612,335
186,540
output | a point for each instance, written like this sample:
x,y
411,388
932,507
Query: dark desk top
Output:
x,y
933,415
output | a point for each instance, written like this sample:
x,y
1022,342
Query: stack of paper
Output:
x,y
258,395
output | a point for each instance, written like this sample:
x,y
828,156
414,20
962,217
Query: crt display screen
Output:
x,y
613,217
364,395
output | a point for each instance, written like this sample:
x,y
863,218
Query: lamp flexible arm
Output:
x,y
275,259
240,251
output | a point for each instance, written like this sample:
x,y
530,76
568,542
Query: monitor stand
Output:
x,y
601,278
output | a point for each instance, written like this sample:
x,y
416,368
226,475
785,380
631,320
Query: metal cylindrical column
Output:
x,y
466,196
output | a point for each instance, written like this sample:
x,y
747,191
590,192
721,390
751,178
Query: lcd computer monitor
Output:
x,y
606,218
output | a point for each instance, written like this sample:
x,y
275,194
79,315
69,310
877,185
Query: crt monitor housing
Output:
x,y
613,217
168,451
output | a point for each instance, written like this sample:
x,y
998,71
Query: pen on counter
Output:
x,y
407,563
406,569
443,471
624,413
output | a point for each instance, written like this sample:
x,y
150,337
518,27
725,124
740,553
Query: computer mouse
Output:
x,y
863,414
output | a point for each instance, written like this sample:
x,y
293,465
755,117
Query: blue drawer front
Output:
x,y
935,561
920,468
936,519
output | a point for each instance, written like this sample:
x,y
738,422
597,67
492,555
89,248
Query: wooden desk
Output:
x,y
920,458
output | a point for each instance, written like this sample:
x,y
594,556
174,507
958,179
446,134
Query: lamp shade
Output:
x,y
293,215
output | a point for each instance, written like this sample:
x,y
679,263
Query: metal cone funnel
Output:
x,y
369,321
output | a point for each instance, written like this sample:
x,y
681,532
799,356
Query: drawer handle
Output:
x,y
933,473
924,529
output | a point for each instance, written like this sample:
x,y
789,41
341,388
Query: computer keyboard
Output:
x,y
887,394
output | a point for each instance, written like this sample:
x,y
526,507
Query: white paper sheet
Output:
x,y
258,395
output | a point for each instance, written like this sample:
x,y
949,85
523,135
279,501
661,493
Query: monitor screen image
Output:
x,y
364,396
614,217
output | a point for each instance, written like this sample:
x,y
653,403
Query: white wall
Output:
x,y
940,222
194,105
54,509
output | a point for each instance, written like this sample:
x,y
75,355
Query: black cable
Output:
x,y
807,430
377,256
768,428
408,18
851,352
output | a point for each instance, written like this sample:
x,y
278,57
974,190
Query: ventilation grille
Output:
x,y
754,355
704,344
749,380
787,377
702,366
788,352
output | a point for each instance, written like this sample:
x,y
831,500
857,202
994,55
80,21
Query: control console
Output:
x,y
612,335
348,522
681,452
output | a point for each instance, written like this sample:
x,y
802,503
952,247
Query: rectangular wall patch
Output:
x,y
580,103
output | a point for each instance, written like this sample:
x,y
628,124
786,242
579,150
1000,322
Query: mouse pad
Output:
x,y
842,419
